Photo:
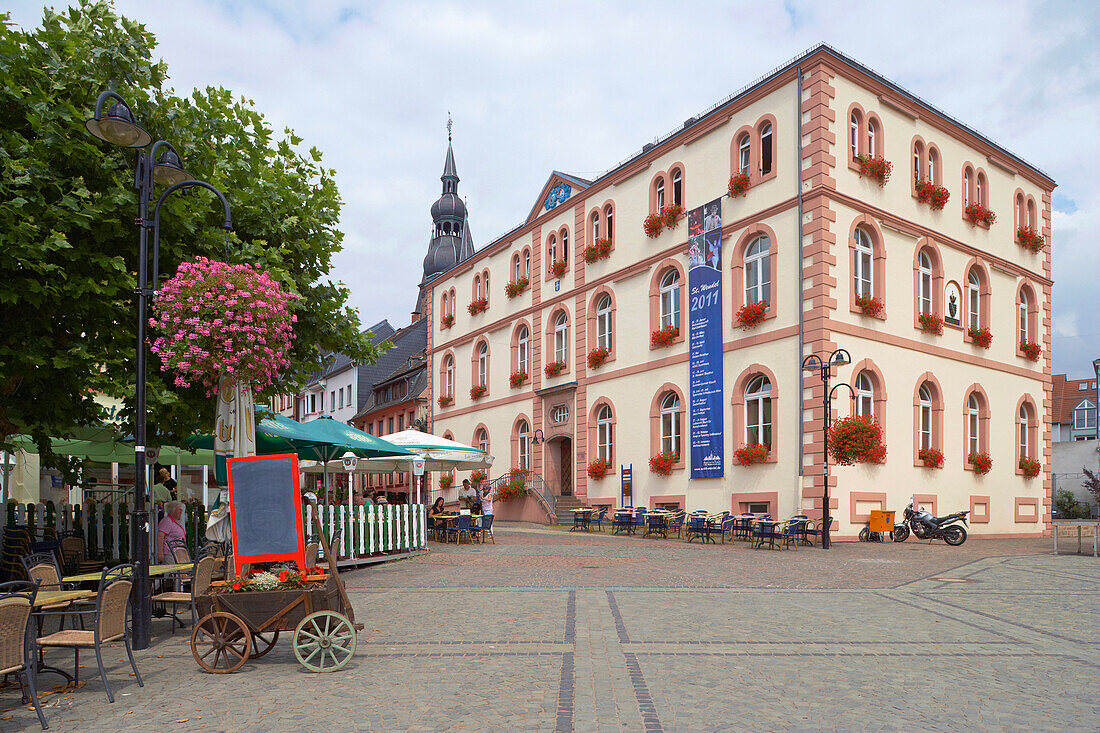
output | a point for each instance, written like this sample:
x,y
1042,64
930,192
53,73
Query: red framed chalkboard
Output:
x,y
265,505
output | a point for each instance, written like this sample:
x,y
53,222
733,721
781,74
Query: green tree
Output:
x,y
67,210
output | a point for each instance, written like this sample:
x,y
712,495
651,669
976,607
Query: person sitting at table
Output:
x,y
435,510
170,531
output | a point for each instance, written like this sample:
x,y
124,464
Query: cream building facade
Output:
x,y
808,236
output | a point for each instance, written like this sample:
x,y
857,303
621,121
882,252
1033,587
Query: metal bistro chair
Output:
x,y
697,527
598,519
462,526
110,625
202,573
656,524
622,522
581,520
729,523
676,523
639,522
764,531
16,655
788,534
487,529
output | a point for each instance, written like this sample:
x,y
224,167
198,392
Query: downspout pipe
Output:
x,y
801,309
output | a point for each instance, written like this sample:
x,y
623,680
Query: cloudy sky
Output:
x,y
579,86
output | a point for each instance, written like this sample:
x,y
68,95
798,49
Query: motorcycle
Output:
x,y
926,527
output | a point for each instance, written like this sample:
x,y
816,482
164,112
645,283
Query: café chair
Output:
x,y
16,656
487,529
598,519
202,573
311,553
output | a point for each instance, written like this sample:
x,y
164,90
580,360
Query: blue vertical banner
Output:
x,y
705,340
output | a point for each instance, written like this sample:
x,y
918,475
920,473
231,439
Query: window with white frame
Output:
x,y
605,429
670,423
766,148
932,167
872,139
1084,416
523,433
864,272
595,227
341,393
449,377
865,395
853,126
527,263
561,338
758,271
1024,447
966,188
551,252
758,412
677,187
483,365
603,322
565,245
609,221
483,440
974,298
743,156
924,283
660,193
522,339
670,299
973,422
924,416
979,192
916,161
1022,317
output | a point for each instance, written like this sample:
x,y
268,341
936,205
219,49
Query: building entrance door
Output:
x,y
565,466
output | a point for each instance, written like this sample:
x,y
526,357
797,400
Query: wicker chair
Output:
x,y
109,625
311,553
42,568
16,603
202,573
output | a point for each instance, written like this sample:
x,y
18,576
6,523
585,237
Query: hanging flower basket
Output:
x,y
663,337
652,226
1030,239
555,368
517,378
218,320
981,462
515,287
739,184
930,323
869,305
933,195
598,468
446,321
514,486
446,481
856,439
877,169
1031,350
597,356
559,267
478,306
477,391
978,214
752,315
662,463
477,476
599,250
1030,467
930,457
670,215
751,454
981,336
445,400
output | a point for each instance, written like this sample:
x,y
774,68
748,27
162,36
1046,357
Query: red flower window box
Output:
x,y
930,457
478,476
653,225
930,323
670,215
981,336
517,378
739,184
877,169
751,454
869,305
477,391
597,356
446,321
1030,467
752,315
978,214
663,463
515,287
480,305
514,486
933,195
981,462
445,400
555,368
598,468
856,439
446,481
600,250
663,337
1031,350
1030,239
558,267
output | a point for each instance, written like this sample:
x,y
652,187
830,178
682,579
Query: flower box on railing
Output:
x,y
477,391
877,169
752,315
515,287
517,378
514,486
978,214
739,184
445,400
1031,350
558,267
930,457
598,468
1030,239
930,323
663,336
597,356
981,462
446,321
446,481
663,463
555,368
751,454
1030,467
599,250
479,305
981,336
933,195
856,439
869,305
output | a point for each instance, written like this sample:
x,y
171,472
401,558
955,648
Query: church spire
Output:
x,y
451,242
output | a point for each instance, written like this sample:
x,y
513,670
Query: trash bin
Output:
x,y
882,520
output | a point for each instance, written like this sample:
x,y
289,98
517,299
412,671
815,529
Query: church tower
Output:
x,y
451,241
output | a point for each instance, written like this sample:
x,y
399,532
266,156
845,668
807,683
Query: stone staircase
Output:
x,y
564,510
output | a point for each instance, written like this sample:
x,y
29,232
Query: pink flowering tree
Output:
x,y
219,320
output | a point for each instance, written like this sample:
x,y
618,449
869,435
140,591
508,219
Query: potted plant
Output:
x,y
479,305
446,481
739,184
752,315
670,215
663,337
652,225
930,457
445,400
981,336
446,321
555,368
477,476
1030,239
933,195
514,486
877,169
599,250
598,468
981,462
1030,467
662,463
978,214
856,439
751,454
597,356
517,378
477,391
1031,350
930,323
869,305
515,287
558,267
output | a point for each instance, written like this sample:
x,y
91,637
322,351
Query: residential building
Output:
x,y
1073,422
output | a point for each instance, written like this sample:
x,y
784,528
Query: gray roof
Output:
x,y
407,342
338,362
414,371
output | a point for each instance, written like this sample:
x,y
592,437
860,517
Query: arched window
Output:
x,y
670,299
677,187
1020,211
924,283
477,287
864,271
561,338
933,166
872,138
1022,317
603,322
916,162
979,194
609,221
449,377
527,263
973,424
758,412
595,227
766,148
670,424
853,127
1031,213
522,339
660,193
443,305
516,272
865,395
924,416
485,283
743,154
565,245
551,252
966,188
483,440
605,434
974,299
483,364
523,442
758,271
1022,430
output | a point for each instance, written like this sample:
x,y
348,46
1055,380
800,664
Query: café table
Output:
x,y
154,571
767,532
582,518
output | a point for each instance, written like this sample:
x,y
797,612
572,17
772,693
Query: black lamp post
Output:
x,y
840,357
118,127
538,437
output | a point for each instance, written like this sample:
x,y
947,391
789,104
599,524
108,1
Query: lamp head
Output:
x,y
118,127
840,357
168,170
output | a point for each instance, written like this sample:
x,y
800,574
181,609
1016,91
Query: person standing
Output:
x,y
487,501
468,495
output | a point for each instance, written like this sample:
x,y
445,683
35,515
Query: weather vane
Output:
x,y
449,123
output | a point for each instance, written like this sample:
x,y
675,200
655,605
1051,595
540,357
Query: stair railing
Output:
x,y
536,486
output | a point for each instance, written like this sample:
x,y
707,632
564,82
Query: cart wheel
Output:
x,y
324,641
221,643
263,642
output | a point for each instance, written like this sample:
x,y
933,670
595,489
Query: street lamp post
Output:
x,y
118,127
840,357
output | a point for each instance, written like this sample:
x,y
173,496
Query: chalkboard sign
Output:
x,y
266,509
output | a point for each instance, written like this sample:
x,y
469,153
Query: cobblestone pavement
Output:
x,y
550,631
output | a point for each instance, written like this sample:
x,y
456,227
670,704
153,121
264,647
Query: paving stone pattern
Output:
x,y
552,631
